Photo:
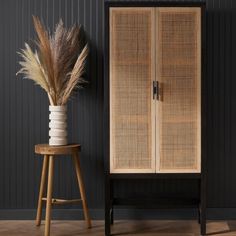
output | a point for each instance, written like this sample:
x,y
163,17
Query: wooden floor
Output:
x,y
145,228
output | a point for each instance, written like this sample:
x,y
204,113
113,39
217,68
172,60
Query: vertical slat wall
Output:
x,y
21,102
178,68
132,124
24,106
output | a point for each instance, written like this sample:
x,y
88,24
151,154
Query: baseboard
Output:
x,y
138,214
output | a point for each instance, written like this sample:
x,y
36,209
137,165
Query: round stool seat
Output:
x,y
46,149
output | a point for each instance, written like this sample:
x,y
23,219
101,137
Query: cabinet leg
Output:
x,y
203,220
107,208
203,206
49,196
111,201
41,190
199,215
82,189
112,215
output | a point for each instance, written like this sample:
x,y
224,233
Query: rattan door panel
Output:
x,y
132,109
178,71
148,135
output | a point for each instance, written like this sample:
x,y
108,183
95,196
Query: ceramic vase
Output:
x,y
57,125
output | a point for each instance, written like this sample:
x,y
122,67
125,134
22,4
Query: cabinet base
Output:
x,y
156,203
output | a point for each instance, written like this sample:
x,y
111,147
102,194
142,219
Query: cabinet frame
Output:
x,y
110,178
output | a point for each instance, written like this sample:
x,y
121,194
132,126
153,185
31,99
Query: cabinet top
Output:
x,y
155,2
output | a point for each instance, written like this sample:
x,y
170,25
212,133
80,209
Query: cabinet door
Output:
x,y
179,73
132,109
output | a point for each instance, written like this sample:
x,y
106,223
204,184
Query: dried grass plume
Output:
x,y
58,64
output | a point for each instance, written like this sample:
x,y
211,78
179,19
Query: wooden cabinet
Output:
x,y
155,102
155,89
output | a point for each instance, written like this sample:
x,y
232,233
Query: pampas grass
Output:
x,y
58,64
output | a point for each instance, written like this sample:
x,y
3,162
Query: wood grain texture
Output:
x,y
57,201
140,228
46,149
42,189
50,152
82,189
49,196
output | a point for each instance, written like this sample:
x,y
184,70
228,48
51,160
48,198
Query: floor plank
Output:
x,y
120,228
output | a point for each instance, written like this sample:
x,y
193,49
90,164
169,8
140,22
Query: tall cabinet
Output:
x,y
154,70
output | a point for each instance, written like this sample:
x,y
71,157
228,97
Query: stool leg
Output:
x,y
82,190
49,196
41,191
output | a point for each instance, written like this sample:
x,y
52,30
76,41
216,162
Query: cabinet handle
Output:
x,y
155,88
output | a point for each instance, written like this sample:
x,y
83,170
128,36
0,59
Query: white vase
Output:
x,y
57,125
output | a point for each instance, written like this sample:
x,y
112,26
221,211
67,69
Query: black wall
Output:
x,y
24,109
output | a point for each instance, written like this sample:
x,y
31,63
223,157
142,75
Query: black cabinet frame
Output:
x,y
110,179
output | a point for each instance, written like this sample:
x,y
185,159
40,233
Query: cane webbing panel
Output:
x,y
131,64
178,70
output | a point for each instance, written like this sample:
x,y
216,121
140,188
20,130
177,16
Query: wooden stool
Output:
x,y
49,153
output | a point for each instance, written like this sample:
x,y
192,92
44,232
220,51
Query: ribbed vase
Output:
x,y
57,125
